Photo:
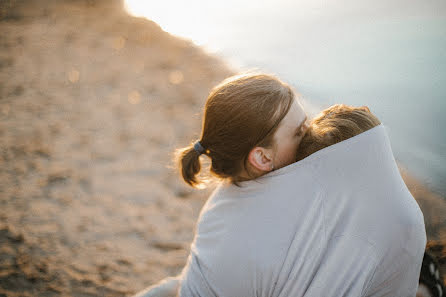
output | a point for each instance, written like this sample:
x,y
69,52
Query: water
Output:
x,y
388,55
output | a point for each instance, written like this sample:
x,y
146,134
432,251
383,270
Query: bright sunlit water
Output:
x,y
388,55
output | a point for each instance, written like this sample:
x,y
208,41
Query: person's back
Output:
x,y
339,123
338,223
368,204
243,238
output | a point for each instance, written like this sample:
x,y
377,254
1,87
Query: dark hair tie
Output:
x,y
199,148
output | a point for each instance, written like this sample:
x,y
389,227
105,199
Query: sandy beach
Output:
x,y
93,103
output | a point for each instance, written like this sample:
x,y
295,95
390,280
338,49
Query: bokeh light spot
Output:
x,y
119,43
134,97
176,77
73,76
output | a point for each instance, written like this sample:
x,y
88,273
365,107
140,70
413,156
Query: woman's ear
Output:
x,y
261,159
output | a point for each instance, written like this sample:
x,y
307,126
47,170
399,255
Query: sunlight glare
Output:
x,y
186,19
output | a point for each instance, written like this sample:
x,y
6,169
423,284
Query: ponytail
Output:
x,y
188,160
240,113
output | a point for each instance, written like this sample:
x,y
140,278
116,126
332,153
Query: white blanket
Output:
x,y
338,223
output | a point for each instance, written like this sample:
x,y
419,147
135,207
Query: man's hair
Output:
x,y
335,124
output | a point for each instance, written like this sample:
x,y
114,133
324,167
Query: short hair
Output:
x,y
335,124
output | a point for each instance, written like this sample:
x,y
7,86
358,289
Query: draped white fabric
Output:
x,y
338,223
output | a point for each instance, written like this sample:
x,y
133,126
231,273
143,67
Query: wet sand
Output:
x,y
93,103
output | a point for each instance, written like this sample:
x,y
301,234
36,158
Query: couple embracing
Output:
x,y
303,208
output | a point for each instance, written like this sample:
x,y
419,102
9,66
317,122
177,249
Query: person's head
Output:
x,y
335,124
252,124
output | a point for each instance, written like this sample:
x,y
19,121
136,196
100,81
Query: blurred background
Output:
x,y
95,95
388,55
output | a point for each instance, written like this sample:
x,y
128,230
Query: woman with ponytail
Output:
x,y
252,124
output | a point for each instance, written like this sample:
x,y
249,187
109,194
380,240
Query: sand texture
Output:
x,y
92,104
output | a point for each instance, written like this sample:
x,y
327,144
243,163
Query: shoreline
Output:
x,y
94,102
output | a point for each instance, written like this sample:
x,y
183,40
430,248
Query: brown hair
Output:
x,y
335,124
240,113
